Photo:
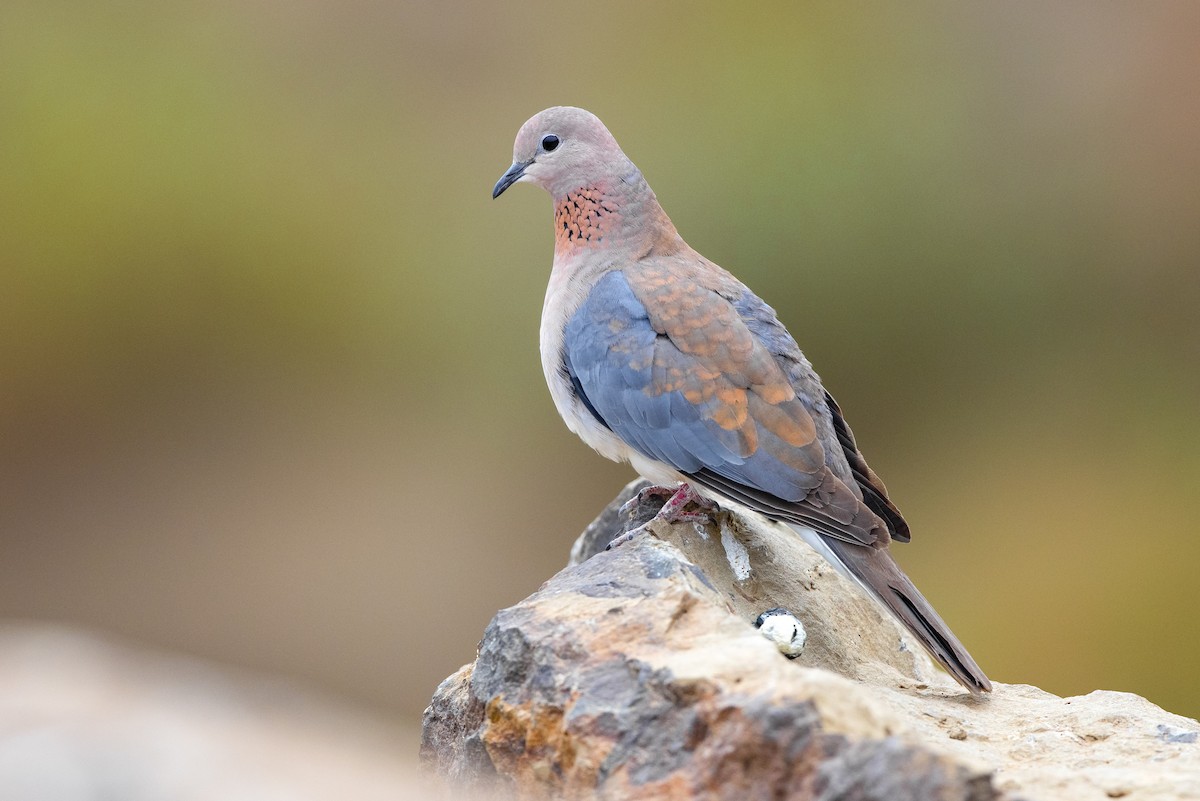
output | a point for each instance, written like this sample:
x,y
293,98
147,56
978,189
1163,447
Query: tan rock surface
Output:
x,y
637,674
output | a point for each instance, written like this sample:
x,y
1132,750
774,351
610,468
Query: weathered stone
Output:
x,y
637,674
846,631
889,770
450,735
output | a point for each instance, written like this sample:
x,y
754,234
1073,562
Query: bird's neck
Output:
x,y
613,213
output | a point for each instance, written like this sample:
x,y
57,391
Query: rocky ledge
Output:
x,y
637,673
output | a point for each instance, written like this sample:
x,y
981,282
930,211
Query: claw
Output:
x,y
628,536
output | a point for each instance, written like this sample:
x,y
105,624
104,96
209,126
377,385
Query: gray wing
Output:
x,y
673,369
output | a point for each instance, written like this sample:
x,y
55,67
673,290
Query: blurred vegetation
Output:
x,y
269,388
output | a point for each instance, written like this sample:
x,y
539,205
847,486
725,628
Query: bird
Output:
x,y
658,357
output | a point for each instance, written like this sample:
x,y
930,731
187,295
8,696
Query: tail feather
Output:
x,y
879,573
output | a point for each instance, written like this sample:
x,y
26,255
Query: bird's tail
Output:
x,y
879,573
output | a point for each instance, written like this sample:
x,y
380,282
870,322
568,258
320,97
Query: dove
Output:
x,y
658,357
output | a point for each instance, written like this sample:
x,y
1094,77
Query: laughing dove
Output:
x,y
658,357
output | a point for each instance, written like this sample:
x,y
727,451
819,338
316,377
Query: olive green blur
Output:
x,y
269,382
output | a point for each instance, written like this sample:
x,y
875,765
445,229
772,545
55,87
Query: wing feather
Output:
x,y
671,368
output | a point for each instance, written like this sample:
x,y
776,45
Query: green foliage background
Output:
x,y
269,384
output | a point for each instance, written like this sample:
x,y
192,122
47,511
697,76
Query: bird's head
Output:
x,y
564,148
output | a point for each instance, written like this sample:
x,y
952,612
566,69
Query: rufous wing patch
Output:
x,y
707,353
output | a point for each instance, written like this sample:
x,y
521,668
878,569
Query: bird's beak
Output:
x,y
510,177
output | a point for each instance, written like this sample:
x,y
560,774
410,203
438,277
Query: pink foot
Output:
x,y
683,505
675,509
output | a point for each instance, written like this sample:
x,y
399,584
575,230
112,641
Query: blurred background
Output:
x,y
270,393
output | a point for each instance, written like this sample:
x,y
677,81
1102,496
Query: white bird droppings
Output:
x,y
736,554
783,629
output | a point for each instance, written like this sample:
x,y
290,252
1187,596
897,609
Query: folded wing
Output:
x,y
672,368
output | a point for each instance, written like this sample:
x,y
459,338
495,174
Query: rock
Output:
x,y
637,674
846,631
452,727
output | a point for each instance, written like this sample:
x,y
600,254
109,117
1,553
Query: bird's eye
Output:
x,y
549,142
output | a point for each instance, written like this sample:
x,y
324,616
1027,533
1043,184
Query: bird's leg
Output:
x,y
673,510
